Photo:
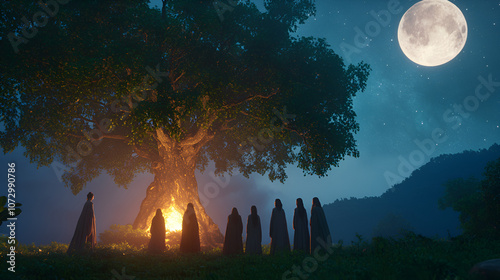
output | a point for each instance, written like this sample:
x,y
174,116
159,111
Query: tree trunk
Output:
x,y
175,186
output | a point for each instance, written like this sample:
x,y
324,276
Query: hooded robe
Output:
x,y
85,230
278,231
254,235
233,242
157,242
319,227
301,227
190,238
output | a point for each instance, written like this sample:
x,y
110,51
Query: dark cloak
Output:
x,y
254,235
85,230
301,227
190,239
319,227
157,242
278,231
233,242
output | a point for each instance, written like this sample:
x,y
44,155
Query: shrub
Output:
x,y
118,234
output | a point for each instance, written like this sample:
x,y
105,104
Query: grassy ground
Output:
x,y
412,257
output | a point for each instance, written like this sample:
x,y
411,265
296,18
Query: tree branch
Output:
x,y
300,134
200,134
195,139
180,76
116,136
140,152
85,119
251,116
164,139
225,125
250,98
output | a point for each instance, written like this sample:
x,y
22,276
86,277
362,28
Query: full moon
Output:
x,y
432,32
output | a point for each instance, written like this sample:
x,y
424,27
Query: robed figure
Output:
x,y
157,230
85,232
253,243
278,230
301,228
320,233
190,238
233,242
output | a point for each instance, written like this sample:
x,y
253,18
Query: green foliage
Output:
x,y
464,196
124,236
409,257
218,84
41,250
5,213
392,226
4,243
490,188
477,201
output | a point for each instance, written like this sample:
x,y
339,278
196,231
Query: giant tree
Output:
x,y
117,86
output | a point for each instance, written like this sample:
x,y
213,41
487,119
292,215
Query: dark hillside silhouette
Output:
x,y
415,199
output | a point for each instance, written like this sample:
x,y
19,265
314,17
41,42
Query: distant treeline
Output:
x,y
411,204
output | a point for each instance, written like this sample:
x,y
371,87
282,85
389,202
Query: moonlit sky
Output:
x,y
403,102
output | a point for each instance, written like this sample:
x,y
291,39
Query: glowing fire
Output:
x,y
173,225
173,220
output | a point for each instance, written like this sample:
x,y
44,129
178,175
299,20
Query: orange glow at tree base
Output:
x,y
173,225
173,220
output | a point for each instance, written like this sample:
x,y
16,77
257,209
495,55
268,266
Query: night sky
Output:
x,y
403,105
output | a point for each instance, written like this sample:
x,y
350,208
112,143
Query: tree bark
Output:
x,y
175,185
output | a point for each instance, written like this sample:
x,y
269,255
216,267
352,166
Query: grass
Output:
x,y
411,257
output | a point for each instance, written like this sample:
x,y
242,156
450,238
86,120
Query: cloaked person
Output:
x,y
278,230
233,243
85,232
190,238
253,243
301,228
157,230
320,233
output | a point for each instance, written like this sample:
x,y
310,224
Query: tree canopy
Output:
x,y
478,201
103,85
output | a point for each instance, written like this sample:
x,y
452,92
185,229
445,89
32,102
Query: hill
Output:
x,y
411,204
